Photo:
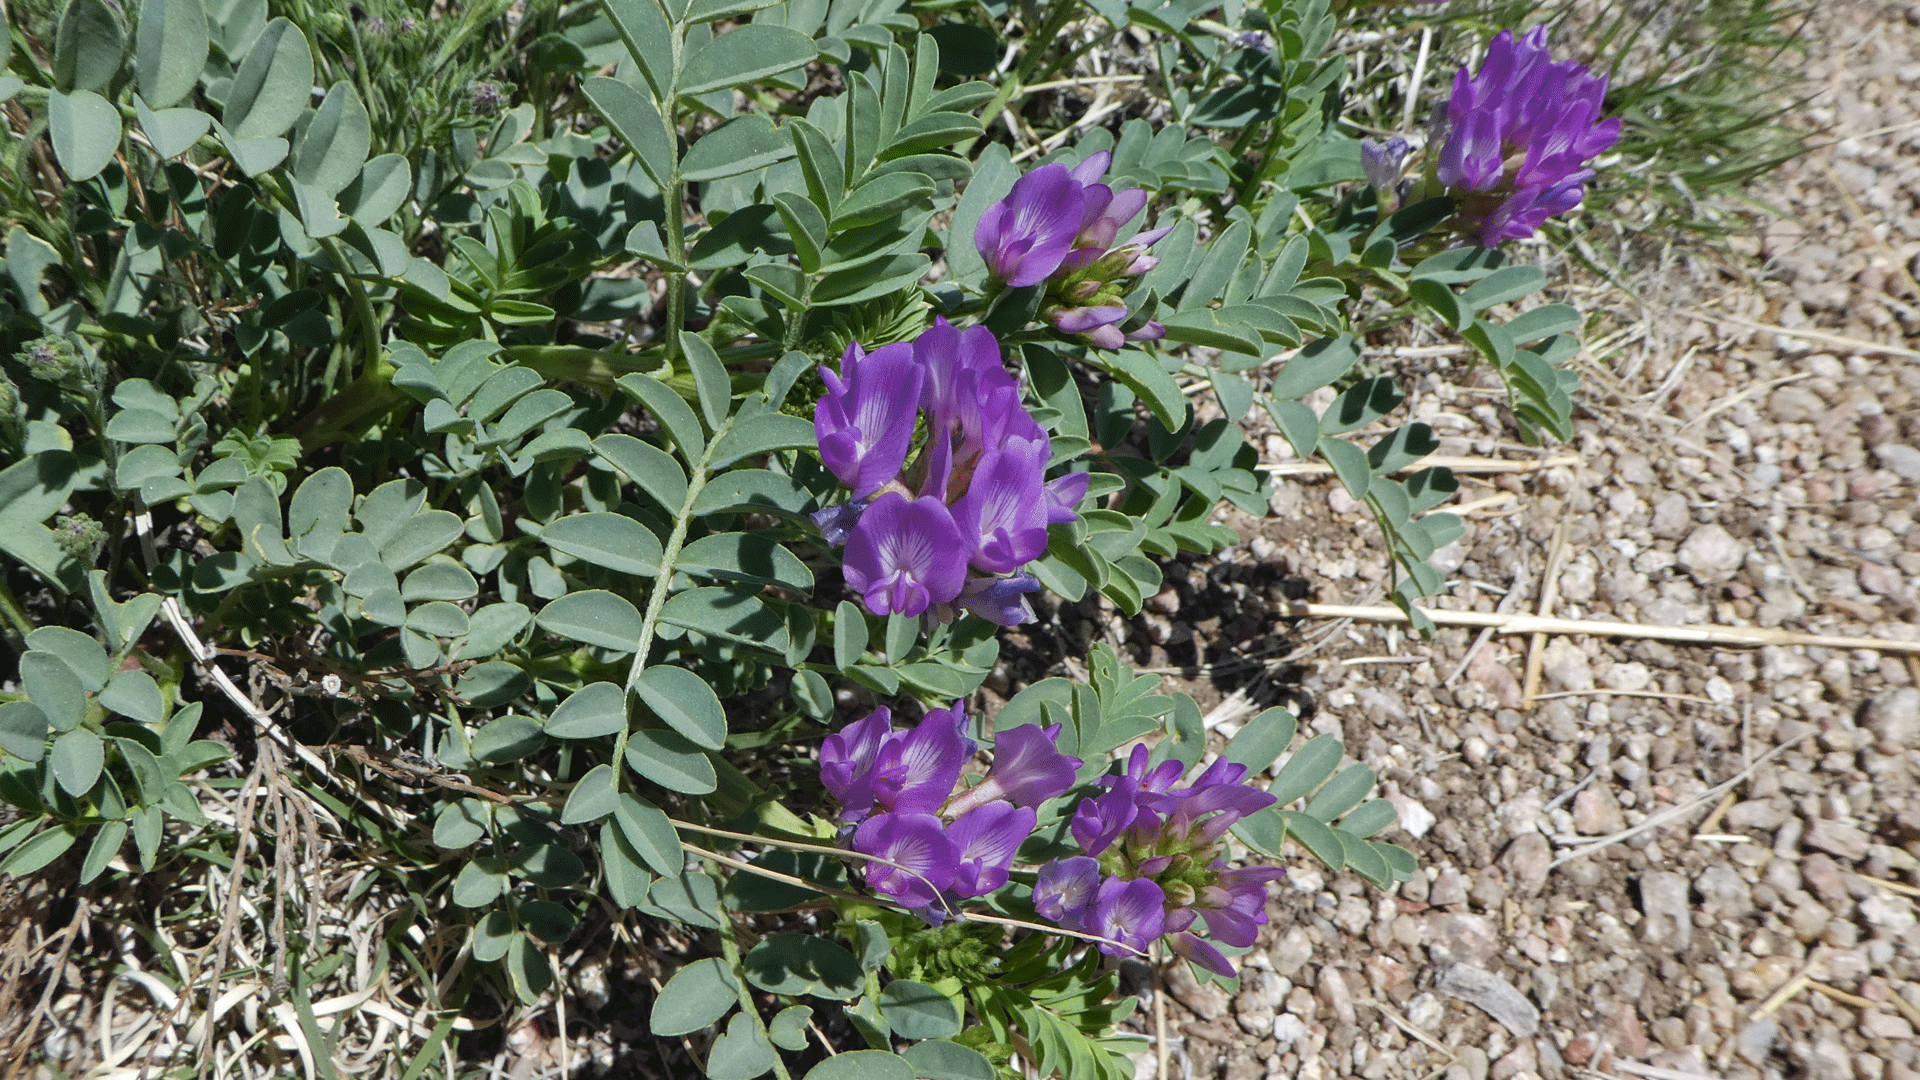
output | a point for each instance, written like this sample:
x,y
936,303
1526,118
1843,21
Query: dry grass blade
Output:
x,y
1465,466
1533,624
1549,596
1838,341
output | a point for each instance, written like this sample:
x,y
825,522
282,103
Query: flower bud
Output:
x,y
52,360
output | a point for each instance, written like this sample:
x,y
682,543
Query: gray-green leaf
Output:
x,y
668,759
687,704
637,122
334,148
696,996
593,798
88,47
76,758
594,710
744,55
596,617
608,540
647,829
273,84
85,129
170,49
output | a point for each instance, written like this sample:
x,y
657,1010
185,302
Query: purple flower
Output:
x,y
1109,213
1004,511
1383,163
919,843
1001,601
836,522
906,554
927,765
1132,913
1100,324
964,373
1065,888
1099,821
1519,133
1152,331
850,762
987,839
990,417
1024,237
1159,839
1063,497
1195,948
1235,906
1028,769
955,360
1028,765
867,765
864,422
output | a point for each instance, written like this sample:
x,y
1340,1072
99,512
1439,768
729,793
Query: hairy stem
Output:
x,y
669,555
730,949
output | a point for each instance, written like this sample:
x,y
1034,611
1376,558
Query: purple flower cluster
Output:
x,y
1058,226
1518,137
897,789
1154,864
952,530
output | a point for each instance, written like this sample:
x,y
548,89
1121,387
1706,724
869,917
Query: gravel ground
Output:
x,y
1746,455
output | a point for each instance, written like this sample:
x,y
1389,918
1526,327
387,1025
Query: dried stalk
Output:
x,y
1534,624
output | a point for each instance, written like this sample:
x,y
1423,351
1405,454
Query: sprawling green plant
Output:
x,y
412,424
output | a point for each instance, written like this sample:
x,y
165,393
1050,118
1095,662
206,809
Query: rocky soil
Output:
x,y
1747,454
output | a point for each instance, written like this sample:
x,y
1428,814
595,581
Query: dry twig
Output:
x,y
1534,624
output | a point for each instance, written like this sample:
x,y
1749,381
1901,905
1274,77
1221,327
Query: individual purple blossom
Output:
x,y
971,402
905,555
850,762
1103,819
1028,769
1099,324
1024,237
864,421
1065,888
999,600
1191,946
836,522
1518,136
1151,331
992,416
955,360
920,777
1064,494
1132,913
1086,281
926,857
987,838
1232,909
1383,162
1004,512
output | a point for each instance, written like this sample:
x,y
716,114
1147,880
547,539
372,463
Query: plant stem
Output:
x,y
362,303
676,207
730,949
18,624
669,555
